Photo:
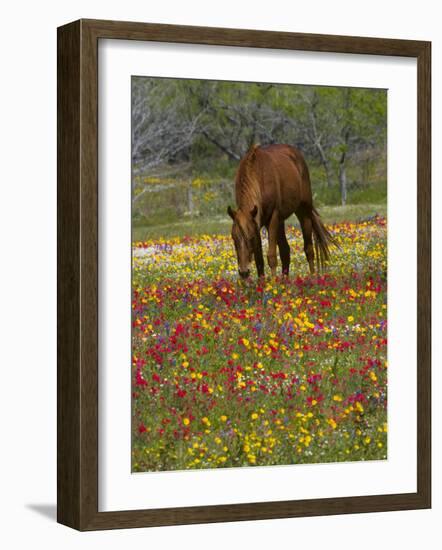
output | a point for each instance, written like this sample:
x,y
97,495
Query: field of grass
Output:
x,y
283,371
222,224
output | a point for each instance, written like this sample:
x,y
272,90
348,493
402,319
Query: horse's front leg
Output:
x,y
273,239
259,259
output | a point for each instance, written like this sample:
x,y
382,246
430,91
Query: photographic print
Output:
x,y
259,274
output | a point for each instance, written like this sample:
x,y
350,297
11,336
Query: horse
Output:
x,y
273,182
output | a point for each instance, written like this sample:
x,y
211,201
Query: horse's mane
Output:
x,y
247,189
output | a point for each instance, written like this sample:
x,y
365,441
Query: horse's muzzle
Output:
x,y
244,274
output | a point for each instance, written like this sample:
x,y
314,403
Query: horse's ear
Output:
x,y
231,212
254,211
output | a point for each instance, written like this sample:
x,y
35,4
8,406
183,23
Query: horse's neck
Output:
x,y
250,196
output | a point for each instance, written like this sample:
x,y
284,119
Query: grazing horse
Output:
x,y
272,183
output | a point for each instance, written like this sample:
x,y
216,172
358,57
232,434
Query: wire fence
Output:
x,y
161,199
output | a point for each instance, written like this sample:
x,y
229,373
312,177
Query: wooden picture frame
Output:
x,y
77,458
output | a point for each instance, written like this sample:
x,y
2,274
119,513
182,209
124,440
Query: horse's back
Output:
x,y
284,160
284,178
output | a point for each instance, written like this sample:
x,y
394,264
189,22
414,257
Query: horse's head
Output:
x,y
245,233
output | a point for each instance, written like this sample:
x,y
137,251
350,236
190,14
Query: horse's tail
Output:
x,y
323,240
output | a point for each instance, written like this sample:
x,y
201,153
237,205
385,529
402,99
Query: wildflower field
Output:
x,y
282,371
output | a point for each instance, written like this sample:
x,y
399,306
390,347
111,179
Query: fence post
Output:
x,y
190,198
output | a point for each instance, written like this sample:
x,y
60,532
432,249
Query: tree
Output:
x,y
236,115
338,122
160,131
175,120
361,122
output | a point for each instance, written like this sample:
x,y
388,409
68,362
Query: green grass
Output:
x,y
221,225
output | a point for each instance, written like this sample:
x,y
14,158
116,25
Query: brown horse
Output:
x,y
272,183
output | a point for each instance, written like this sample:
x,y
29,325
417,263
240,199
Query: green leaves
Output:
x,y
207,124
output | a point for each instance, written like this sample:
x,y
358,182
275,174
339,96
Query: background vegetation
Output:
x,y
188,136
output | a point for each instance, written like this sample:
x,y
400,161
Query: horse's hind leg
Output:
x,y
307,230
284,249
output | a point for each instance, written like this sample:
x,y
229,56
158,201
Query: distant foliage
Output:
x,y
186,129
